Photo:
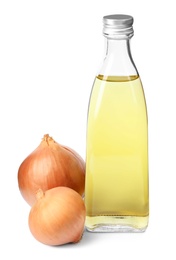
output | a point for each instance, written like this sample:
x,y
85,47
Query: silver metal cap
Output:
x,y
118,26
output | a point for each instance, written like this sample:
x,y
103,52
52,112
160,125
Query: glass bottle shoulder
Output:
x,y
117,78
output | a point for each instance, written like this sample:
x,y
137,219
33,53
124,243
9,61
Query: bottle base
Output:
x,y
119,224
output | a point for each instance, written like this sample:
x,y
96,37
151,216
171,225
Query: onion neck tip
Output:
x,y
40,194
47,139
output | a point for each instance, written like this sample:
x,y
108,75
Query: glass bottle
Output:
x,y
117,190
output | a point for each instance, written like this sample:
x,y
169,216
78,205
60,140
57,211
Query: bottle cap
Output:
x,y
118,26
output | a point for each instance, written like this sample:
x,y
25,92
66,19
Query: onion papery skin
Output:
x,y
50,165
57,217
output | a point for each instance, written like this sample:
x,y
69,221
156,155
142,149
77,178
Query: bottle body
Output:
x,y
117,156
117,188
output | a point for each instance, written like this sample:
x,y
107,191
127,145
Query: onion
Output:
x,y
50,165
57,217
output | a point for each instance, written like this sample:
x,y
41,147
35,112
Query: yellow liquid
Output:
x,y
116,193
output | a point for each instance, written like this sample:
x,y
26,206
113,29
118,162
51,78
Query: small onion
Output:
x,y
57,217
50,165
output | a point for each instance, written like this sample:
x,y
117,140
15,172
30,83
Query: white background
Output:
x,y
50,52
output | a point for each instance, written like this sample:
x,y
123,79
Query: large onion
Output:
x,y
51,165
58,216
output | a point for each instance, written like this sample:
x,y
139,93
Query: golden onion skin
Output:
x,y
50,165
57,217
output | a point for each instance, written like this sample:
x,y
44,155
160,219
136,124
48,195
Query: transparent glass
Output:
x,y
117,190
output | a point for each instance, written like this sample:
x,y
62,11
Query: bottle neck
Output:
x,y
118,60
